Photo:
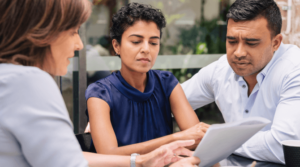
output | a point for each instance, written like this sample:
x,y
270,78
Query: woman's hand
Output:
x,y
167,154
187,162
196,133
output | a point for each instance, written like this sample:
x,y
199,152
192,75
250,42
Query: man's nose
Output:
x,y
240,51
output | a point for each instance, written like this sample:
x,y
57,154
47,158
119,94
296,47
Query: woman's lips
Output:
x,y
144,60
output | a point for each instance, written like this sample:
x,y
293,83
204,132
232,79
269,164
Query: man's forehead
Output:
x,y
248,29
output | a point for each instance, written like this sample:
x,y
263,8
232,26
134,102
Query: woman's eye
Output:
x,y
154,44
135,42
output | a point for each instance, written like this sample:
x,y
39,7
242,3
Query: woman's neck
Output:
x,y
135,79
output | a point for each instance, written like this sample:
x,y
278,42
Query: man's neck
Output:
x,y
251,82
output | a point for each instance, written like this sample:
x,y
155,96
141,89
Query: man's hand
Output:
x,y
167,154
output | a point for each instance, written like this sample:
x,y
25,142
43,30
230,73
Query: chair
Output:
x,y
85,142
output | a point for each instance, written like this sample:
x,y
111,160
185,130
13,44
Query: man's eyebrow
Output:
x,y
251,39
230,37
246,39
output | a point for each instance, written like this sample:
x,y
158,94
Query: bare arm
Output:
x,y
186,117
160,157
100,124
96,160
183,112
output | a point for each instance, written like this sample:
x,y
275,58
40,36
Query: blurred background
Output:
x,y
195,36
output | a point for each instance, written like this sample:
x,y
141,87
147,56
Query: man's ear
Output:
x,y
116,46
276,42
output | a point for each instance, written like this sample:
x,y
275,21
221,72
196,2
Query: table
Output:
x,y
234,160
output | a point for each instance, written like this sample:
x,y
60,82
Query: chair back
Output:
x,y
85,142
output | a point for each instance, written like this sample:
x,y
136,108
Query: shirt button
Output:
x,y
246,111
244,86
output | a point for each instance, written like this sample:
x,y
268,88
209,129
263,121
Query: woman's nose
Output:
x,y
145,48
78,44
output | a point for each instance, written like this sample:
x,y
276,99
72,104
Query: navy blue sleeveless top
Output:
x,y
135,116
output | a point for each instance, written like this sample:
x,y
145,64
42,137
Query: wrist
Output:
x,y
140,161
177,136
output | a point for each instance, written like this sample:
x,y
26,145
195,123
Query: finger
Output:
x,y
216,165
183,151
168,157
199,139
187,162
180,143
204,129
162,152
205,125
159,152
201,135
194,160
175,159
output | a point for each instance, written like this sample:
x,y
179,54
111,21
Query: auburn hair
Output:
x,y
27,27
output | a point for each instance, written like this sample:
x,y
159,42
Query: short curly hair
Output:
x,y
131,13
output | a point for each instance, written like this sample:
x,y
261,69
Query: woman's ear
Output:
x,y
116,46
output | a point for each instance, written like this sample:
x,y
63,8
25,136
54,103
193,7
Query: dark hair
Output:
x,y
131,13
28,27
243,10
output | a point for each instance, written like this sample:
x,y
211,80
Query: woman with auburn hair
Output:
x,y
133,106
35,129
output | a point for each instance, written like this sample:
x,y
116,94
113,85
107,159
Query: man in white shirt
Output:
x,y
259,76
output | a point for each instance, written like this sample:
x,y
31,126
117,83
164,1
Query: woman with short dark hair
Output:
x,y
133,106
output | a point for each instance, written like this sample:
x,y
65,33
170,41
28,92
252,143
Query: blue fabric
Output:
x,y
135,116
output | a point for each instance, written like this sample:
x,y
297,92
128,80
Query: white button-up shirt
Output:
x,y
276,96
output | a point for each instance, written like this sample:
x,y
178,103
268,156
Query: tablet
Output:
x,y
221,140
